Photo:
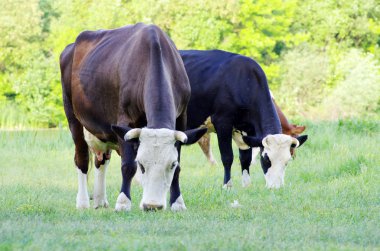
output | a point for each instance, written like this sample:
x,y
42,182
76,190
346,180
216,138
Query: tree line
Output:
x,y
321,57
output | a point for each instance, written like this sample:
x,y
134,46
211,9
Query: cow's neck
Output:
x,y
159,105
158,93
268,121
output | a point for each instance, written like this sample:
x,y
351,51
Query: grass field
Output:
x,y
331,199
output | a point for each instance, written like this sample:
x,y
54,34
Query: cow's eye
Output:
x,y
174,164
141,167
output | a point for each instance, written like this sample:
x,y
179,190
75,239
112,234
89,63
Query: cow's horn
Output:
x,y
295,143
180,136
133,133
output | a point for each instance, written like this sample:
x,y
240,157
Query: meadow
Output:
x,y
331,199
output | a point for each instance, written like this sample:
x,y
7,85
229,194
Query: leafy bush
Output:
x,y
303,46
357,91
303,80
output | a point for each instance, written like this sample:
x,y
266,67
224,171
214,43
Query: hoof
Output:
x,y
213,163
123,203
100,203
178,205
245,179
83,203
228,185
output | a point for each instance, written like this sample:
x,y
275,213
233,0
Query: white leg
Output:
x,y
228,185
123,203
100,195
83,200
255,152
179,204
245,179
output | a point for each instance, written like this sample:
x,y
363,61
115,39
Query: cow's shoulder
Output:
x,y
241,62
90,36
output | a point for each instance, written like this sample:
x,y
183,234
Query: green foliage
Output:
x,y
349,23
304,74
305,48
357,92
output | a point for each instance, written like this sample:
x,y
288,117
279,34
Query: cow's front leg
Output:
x,y
128,170
245,157
100,194
224,133
176,200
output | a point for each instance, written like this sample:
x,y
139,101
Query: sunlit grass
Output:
x,y
331,199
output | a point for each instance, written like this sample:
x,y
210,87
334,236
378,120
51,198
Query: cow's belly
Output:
x,y
97,146
237,135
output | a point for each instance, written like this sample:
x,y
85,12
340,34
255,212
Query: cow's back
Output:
x,y
112,69
226,84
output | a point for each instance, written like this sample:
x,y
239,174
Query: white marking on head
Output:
x,y
277,148
157,158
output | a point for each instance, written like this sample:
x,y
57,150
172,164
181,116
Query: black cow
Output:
x,y
233,90
133,77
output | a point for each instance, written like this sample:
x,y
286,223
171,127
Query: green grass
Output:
x,y
331,199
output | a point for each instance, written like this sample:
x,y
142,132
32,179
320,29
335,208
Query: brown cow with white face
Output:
x,y
127,90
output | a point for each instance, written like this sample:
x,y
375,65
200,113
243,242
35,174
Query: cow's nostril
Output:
x,y
151,207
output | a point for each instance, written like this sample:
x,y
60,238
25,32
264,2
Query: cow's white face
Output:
x,y
157,160
275,157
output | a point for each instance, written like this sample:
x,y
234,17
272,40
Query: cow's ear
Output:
x,y
120,131
194,135
298,129
253,141
302,139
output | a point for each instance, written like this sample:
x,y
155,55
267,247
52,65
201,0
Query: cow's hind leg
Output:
x,y
245,161
81,156
81,161
100,194
205,144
